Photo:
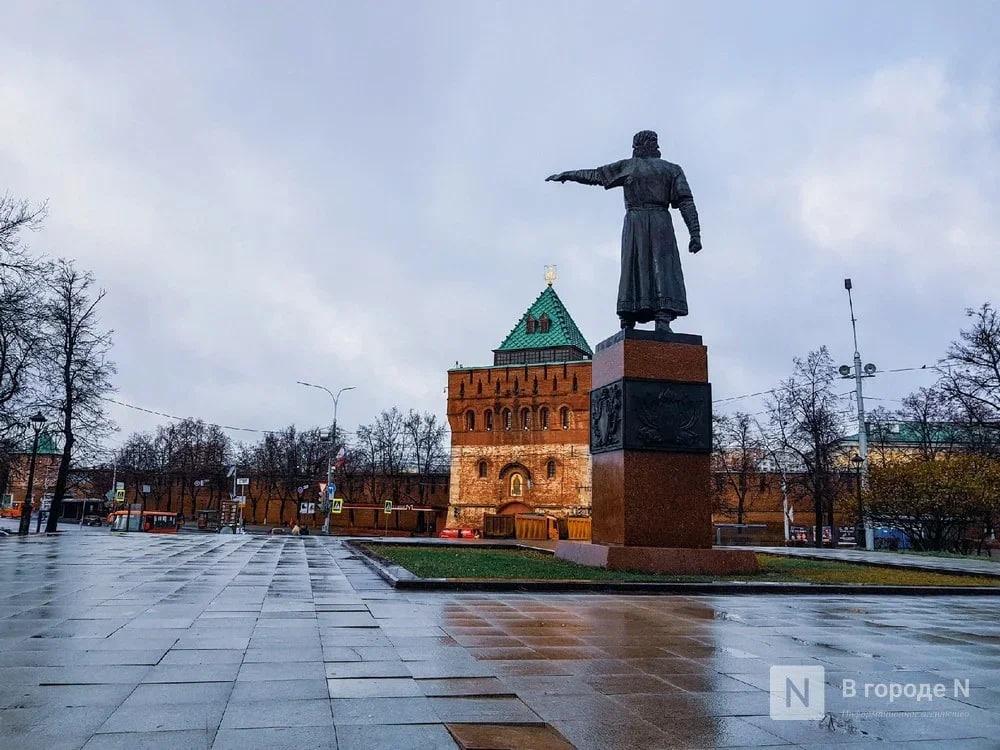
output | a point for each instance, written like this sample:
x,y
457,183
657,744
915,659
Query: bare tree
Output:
x,y
137,462
933,422
382,448
805,416
20,328
20,342
16,216
737,456
970,379
78,372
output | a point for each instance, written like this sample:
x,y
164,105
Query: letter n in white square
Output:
x,y
797,692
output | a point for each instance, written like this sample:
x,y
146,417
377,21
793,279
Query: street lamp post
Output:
x,y
333,438
859,526
25,526
858,373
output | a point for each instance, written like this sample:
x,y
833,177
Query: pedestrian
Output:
x,y
296,530
304,531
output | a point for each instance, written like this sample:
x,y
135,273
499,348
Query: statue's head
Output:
x,y
644,144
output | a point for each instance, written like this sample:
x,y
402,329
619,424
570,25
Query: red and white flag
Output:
x,y
341,458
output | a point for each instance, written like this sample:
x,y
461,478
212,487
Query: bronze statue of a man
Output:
x,y
652,283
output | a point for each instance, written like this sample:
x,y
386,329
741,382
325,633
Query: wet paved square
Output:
x,y
203,641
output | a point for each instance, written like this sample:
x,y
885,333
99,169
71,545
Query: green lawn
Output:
x,y
473,562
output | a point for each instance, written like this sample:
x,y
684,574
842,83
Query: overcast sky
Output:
x,y
352,194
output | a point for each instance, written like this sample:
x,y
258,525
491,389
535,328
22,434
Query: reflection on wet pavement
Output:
x,y
201,641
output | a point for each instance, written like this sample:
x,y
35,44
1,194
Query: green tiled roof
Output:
x,y
562,328
47,445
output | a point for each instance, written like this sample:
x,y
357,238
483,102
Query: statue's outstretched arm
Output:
x,y
609,176
583,176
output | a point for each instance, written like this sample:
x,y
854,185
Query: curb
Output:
x,y
403,580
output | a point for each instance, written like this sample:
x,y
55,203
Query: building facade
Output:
x,y
520,427
14,471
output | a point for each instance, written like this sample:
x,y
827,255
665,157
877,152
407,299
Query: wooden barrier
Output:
x,y
499,527
536,527
578,529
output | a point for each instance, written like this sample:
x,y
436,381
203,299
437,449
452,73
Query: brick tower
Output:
x,y
520,429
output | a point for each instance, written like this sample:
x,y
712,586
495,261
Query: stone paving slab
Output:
x,y
202,641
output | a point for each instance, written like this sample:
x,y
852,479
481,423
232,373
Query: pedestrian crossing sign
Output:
x,y
119,496
337,505
388,506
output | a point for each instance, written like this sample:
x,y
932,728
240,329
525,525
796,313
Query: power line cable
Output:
x,y
775,390
209,424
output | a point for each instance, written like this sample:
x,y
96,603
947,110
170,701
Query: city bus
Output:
x,y
149,521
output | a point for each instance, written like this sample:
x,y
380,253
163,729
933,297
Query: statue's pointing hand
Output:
x,y
695,244
561,177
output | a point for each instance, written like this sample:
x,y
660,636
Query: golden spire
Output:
x,y
550,275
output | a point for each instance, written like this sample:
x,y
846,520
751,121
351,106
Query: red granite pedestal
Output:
x,y
651,441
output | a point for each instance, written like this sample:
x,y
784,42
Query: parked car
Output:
x,y
459,534
93,521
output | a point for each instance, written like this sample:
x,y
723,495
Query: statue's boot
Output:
x,y
627,322
663,321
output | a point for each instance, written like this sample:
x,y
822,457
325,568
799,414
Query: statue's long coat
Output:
x,y
652,280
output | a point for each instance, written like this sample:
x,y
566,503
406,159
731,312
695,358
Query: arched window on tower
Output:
x,y
531,323
555,384
506,419
470,420
498,387
534,386
483,470
461,390
517,386
543,323
479,388
488,420
516,485
543,417
564,417
550,469
575,384
526,418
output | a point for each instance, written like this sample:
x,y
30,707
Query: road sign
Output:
x,y
241,499
109,495
337,506
146,489
388,506
242,481
120,495
119,485
307,509
332,488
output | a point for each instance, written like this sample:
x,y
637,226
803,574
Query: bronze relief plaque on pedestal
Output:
x,y
651,415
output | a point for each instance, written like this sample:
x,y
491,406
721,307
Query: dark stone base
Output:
x,y
662,560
